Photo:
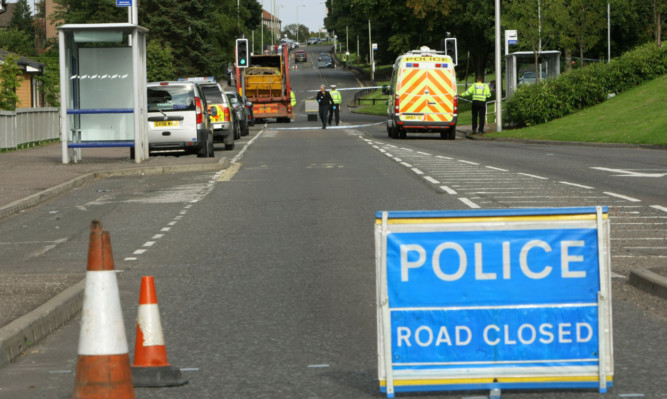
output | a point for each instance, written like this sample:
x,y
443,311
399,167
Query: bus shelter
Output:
x,y
549,67
103,88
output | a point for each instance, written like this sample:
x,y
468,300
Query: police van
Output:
x,y
423,94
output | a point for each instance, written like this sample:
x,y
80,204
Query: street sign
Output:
x,y
123,3
375,46
484,299
510,38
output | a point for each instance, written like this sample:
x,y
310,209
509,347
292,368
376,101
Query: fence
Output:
x,y
28,125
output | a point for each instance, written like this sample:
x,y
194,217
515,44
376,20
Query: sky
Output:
x,y
312,15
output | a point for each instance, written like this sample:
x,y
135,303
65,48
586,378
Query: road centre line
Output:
x,y
469,203
448,190
625,197
407,149
149,243
407,165
576,185
423,153
660,208
468,162
417,171
498,169
535,176
443,157
430,179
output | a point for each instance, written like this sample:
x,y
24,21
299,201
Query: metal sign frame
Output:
x,y
516,268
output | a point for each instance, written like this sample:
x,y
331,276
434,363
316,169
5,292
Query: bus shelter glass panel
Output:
x,y
100,103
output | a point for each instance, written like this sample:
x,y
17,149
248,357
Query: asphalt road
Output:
x,y
265,273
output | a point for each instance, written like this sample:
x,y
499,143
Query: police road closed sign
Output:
x,y
483,299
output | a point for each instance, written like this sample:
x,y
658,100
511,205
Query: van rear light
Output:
x,y
396,103
200,115
227,115
456,105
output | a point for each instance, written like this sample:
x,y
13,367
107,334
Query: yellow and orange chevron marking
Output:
x,y
438,104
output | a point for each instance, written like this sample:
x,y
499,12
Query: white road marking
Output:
x,y
149,243
165,229
407,165
576,185
660,208
417,171
535,176
498,169
630,173
468,162
139,251
423,153
448,190
432,180
625,197
157,236
469,203
131,258
441,157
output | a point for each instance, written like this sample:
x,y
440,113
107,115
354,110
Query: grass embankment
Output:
x,y
638,116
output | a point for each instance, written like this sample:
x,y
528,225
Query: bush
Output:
x,y
581,88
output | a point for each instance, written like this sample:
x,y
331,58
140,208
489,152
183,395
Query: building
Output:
x,y
28,90
271,23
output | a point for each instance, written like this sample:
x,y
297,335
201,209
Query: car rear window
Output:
x,y
213,94
233,99
171,98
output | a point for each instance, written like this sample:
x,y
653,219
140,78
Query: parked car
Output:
x,y
239,106
249,111
528,78
178,119
221,114
325,61
312,40
300,55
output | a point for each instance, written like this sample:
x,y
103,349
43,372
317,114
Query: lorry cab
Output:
x,y
423,95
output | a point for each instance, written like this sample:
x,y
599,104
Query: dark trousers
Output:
x,y
478,113
323,115
334,109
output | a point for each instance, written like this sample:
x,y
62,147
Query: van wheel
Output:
x,y
388,131
394,133
404,134
452,133
230,147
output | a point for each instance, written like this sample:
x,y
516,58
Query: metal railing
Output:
x,y
28,125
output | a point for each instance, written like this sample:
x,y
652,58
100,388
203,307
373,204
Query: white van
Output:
x,y
178,119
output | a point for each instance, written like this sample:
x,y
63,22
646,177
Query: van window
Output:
x,y
171,98
213,94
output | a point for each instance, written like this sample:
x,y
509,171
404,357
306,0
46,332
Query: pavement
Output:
x,y
33,307
32,176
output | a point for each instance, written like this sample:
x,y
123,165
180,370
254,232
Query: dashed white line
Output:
x,y
417,171
469,203
149,243
130,258
157,236
139,251
172,223
576,185
407,165
442,157
407,149
165,229
423,153
625,197
468,162
498,169
535,176
448,190
660,208
432,180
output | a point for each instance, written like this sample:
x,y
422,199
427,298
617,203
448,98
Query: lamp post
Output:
x,y
297,21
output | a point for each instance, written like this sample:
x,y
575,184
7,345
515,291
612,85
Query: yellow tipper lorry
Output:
x,y
423,90
267,86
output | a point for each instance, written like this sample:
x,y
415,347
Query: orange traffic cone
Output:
x,y
103,365
151,368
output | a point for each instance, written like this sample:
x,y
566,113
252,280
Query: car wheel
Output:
x,y
237,132
230,147
204,150
211,153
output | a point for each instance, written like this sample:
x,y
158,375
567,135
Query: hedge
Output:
x,y
581,88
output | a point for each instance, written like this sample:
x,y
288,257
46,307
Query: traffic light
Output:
x,y
242,56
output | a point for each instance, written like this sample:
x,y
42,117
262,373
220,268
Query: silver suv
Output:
x,y
178,119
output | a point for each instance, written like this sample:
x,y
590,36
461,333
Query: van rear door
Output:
x,y
427,90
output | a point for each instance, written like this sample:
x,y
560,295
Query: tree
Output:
x,y
582,23
50,78
17,41
22,18
291,32
88,12
159,59
9,81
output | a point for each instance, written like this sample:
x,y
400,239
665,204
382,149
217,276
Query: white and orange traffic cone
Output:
x,y
151,368
103,365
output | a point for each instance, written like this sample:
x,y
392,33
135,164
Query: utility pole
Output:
x,y
499,74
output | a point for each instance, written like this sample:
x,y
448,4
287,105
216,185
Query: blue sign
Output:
x,y
492,299
123,3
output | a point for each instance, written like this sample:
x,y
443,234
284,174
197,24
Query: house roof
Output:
x,y
6,17
26,64
268,17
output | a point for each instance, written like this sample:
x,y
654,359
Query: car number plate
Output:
x,y
165,123
217,126
412,117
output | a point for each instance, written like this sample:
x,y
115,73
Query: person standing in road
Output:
x,y
324,102
480,92
336,100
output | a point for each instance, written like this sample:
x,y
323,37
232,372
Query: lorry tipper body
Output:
x,y
267,86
